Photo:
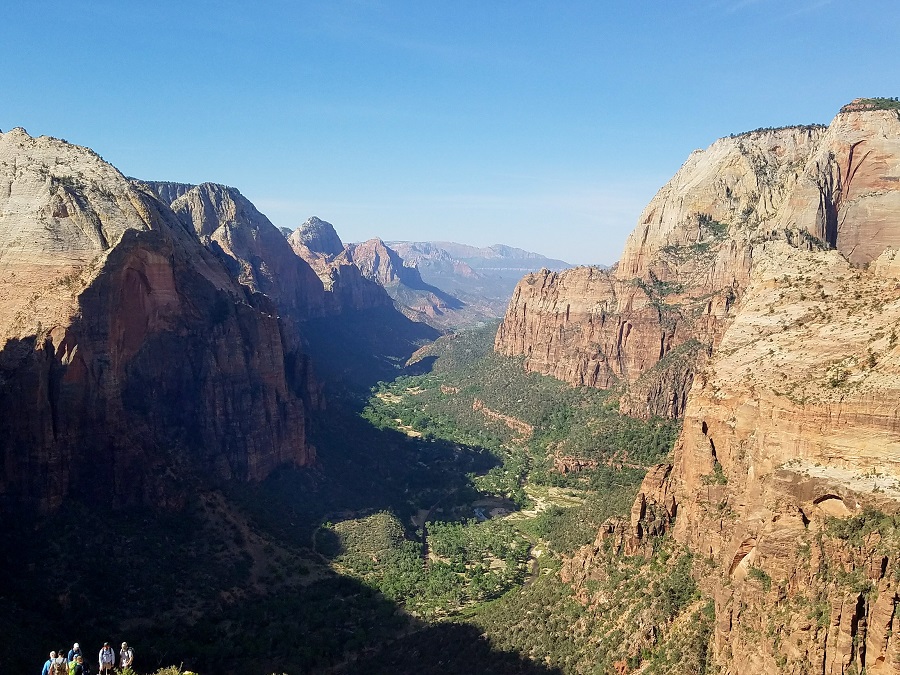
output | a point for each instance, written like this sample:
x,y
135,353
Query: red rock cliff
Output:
x,y
687,264
793,425
131,362
789,455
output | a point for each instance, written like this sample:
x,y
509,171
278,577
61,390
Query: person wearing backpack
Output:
x,y
46,669
107,659
76,666
126,656
58,667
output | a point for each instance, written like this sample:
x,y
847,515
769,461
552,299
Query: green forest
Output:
x,y
443,507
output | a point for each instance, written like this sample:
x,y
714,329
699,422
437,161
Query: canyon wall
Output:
x,y
252,248
785,479
417,299
789,454
131,362
371,274
687,264
346,288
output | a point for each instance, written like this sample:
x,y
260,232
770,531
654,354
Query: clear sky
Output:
x,y
544,125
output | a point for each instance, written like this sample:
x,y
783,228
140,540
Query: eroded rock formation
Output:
x,y
417,299
785,479
688,262
131,362
793,423
319,236
252,248
317,243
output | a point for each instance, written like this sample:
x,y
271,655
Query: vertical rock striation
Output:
x,y
131,362
792,427
687,264
786,475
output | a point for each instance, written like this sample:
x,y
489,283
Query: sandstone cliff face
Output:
x,y
848,192
252,248
317,243
770,256
794,422
415,298
318,236
168,191
688,262
131,363
382,264
684,268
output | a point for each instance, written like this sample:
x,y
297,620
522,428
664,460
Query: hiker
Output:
x,y
107,659
126,656
48,664
58,667
74,653
76,666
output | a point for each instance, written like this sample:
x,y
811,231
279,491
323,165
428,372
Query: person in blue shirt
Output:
x,y
49,663
74,652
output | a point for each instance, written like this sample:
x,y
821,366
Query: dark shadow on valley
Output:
x,y
233,582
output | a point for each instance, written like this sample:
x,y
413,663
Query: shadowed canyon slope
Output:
x,y
347,324
774,255
130,358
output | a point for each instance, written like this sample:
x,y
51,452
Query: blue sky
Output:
x,y
544,125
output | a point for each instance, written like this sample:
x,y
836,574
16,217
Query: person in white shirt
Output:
x,y
107,659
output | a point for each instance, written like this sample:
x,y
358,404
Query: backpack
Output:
x,y
57,667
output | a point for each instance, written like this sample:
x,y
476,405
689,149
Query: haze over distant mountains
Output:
x,y
444,284
482,277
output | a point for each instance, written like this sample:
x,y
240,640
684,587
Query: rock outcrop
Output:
x,y
346,324
415,298
785,479
317,243
318,236
792,427
252,248
847,195
131,362
303,282
688,262
168,191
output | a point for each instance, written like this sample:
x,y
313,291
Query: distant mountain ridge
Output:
x,y
481,257
493,252
428,281
482,277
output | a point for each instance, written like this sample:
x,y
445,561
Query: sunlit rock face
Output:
x,y
253,249
795,422
347,287
688,262
318,236
790,446
130,358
